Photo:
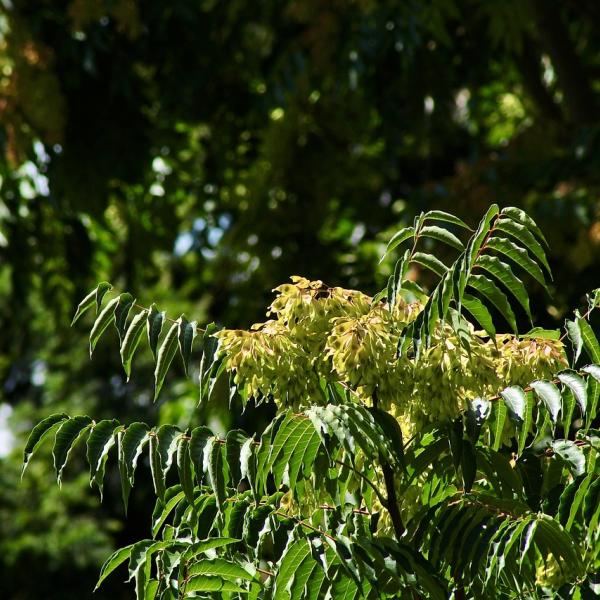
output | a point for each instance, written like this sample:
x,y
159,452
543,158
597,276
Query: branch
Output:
x,y
392,498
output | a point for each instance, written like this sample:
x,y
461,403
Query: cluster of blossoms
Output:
x,y
321,334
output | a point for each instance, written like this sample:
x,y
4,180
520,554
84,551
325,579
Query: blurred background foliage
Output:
x,y
197,153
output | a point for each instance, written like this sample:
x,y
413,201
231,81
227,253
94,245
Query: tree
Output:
x,y
410,454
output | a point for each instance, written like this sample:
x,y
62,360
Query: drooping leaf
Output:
x,y
503,273
214,469
112,562
430,262
99,442
440,215
480,312
499,413
522,235
487,288
518,255
37,435
574,333
577,385
158,479
220,567
186,335
590,341
527,421
166,353
154,326
520,216
126,302
233,446
199,439
398,238
136,436
549,394
207,583
184,468
572,454
442,235
94,297
104,319
131,340
515,399
67,435
293,556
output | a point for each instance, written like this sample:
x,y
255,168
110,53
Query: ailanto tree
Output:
x,y
418,451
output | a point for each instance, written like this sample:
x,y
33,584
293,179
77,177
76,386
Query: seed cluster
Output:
x,y
319,333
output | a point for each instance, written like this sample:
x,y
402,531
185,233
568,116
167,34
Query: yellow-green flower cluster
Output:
x,y
319,333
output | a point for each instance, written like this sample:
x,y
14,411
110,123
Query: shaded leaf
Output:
x,y
67,435
37,435
165,358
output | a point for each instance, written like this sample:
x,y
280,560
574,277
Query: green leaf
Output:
x,y
138,556
398,238
131,340
442,235
590,341
215,470
487,288
154,326
37,435
293,556
503,273
515,399
248,466
549,394
204,546
125,483
392,430
126,301
572,454
67,435
499,413
233,446
480,313
519,255
168,436
523,236
186,335
173,496
479,237
206,583
136,436
440,215
184,468
220,567
468,465
158,478
99,442
94,297
539,333
593,370
527,420
112,562
102,322
520,216
198,441
165,357
577,385
430,262
574,333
